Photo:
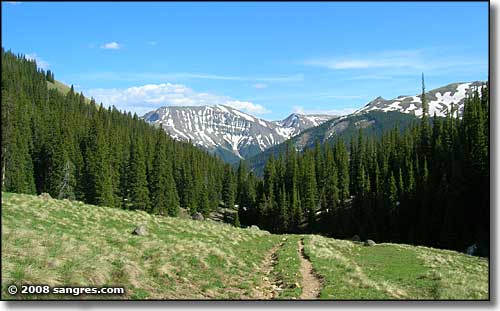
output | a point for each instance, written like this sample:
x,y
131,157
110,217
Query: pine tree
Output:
x,y
138,186
164,194
97,176
310,191
341,160
203,202
228,188
424,124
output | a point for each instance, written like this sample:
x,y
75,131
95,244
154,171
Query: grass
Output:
x,y
395,271
63,243
287,268
63,88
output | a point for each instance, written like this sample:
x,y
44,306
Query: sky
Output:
x,y
267,59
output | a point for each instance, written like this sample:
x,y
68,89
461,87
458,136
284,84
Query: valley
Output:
x,y
68,242
262,154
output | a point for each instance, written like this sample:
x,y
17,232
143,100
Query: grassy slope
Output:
x,y
395,271
61,242
63,88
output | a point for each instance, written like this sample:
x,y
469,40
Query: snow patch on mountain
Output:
x,y
224,128
440,100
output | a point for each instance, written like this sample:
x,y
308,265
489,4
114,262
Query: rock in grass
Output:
x,y
198,216
471,250
254,227
369,243
45,196
140,230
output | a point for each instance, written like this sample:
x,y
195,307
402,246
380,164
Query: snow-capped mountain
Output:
x,y
296,123
228,132
439,100
235,135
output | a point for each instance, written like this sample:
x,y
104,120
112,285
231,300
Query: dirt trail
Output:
x,y
311,284
269,289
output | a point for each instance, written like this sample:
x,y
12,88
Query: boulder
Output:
x,y
45,196
183,213
254,227
198,216
355,238
471,250
369,243
140,230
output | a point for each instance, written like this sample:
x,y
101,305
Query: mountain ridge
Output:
x,y
234,135
439,100
229,132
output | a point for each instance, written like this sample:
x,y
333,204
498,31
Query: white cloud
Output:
x,y
153,43
259,85
39,61
247,106
142,99
111,46
336,112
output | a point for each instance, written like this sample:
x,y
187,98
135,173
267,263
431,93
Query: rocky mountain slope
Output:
x,y
228,132
234,135
439,100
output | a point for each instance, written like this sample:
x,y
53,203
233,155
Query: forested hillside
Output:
x,y
428,184
59,144
373,123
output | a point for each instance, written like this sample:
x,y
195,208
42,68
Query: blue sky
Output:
x,y
268,59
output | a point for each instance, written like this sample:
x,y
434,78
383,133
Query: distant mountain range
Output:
x,y
234,135
228,132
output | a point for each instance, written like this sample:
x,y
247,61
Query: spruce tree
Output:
x,y
164,194
138,186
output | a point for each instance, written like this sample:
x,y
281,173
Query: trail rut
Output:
x,y
268,289
311,284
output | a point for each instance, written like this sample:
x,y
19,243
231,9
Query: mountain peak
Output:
x,y
439,100
227,131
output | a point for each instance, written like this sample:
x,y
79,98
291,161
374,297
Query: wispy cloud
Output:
x,y
309,96
259,85
182,76
336,112
388,59
111,46
14,2
142,99
395,62
153,43
39,61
